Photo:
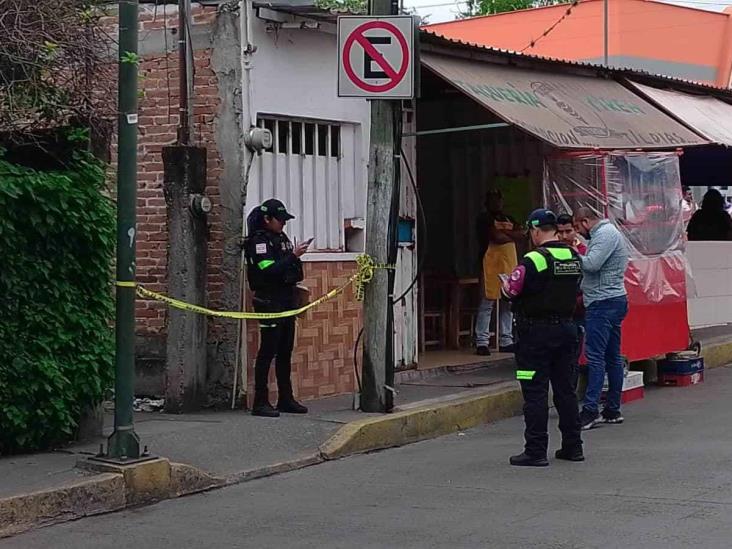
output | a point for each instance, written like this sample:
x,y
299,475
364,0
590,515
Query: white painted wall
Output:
x,y
295,76
709,286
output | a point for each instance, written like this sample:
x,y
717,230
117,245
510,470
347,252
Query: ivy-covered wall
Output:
x,y
57,238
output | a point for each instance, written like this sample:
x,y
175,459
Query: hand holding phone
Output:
x,y
300,249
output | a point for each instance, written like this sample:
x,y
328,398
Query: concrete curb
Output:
x,y
716,356
99,494
424,422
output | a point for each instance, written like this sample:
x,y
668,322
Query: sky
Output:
x,y
438,11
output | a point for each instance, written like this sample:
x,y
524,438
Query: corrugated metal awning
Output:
x,y
709,116
565,110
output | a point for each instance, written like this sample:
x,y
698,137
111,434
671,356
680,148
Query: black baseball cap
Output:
x,y
275,208
542,218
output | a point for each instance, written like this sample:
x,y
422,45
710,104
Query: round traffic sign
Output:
x,y
358,36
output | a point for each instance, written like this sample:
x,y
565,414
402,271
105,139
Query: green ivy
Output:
x,y
57,236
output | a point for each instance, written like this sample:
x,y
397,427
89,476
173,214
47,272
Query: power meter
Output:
x,y
258,139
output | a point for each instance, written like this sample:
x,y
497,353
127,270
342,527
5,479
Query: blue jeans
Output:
x,y
602,349
483,323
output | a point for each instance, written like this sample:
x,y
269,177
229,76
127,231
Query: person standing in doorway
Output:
x,y
711,222
543,292
497,236
688,205
606,305
273,269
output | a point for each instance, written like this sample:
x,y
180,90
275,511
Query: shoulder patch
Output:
x,y
261,248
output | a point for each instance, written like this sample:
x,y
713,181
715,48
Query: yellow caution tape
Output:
x,y
364,274
126,284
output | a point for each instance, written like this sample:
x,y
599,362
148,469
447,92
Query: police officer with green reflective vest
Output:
x,y
273,269
543,293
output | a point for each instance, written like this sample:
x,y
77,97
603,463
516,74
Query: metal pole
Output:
x,y
606,24
124,442
184,129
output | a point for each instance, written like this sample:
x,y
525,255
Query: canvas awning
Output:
x,y
565,110
709,116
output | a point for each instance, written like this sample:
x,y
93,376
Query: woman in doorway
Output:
x,y
711,222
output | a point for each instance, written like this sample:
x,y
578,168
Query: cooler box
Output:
x,y
632,387
680,380
679,365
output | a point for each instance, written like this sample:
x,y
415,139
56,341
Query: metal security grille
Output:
x,y
311,168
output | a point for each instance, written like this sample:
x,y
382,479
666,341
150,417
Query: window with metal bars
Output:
x,y
306,137
315,167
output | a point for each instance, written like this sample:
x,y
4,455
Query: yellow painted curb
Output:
x,y
99,494
716,356
423,423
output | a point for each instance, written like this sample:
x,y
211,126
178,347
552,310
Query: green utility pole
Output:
x,y
124,442
378,337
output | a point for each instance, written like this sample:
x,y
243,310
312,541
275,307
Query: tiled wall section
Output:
x,y
323,357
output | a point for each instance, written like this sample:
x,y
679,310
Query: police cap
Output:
x,y
275,208
542,218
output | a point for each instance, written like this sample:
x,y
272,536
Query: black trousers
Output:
x,y
547,352
276,341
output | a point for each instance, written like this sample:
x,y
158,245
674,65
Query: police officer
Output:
x,y
273,269
543,291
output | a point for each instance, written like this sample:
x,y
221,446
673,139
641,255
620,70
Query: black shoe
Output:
x,y
482,350
567,454
522,460
264,410
589,419
613,418
508,348
291,406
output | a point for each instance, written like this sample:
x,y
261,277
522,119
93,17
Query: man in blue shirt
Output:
x,y
606,304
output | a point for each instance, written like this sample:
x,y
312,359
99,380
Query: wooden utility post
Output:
x,y
378,336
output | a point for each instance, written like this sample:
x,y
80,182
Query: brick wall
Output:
x,y
322,362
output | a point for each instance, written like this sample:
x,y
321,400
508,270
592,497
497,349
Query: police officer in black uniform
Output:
x,y
273,269
543,291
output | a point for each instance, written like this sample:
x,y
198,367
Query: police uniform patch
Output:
x,y
261,248
567,268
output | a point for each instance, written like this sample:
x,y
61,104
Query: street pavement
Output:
x,y
663,479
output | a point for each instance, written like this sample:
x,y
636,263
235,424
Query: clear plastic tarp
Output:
x,y
640,192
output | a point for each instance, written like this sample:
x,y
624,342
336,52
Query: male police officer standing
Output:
x,y
273,268
543,291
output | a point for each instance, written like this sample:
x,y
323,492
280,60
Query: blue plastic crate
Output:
x,y
681,366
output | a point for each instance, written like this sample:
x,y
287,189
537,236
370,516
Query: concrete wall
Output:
x,y
293,75
709,288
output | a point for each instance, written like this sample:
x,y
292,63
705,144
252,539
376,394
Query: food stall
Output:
x,y
640,192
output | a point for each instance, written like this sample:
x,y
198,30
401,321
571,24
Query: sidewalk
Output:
x,y
230,444
222,448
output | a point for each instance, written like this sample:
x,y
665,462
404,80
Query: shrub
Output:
x,y
57,237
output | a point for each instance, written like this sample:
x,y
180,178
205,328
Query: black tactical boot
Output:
x,y
262,407
522,460
570,454
291,406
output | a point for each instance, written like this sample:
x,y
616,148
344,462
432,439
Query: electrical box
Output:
x,y
405,233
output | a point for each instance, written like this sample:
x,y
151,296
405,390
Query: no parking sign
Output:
x,y
376,57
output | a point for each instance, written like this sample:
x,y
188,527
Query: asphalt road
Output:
x,y
663,479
